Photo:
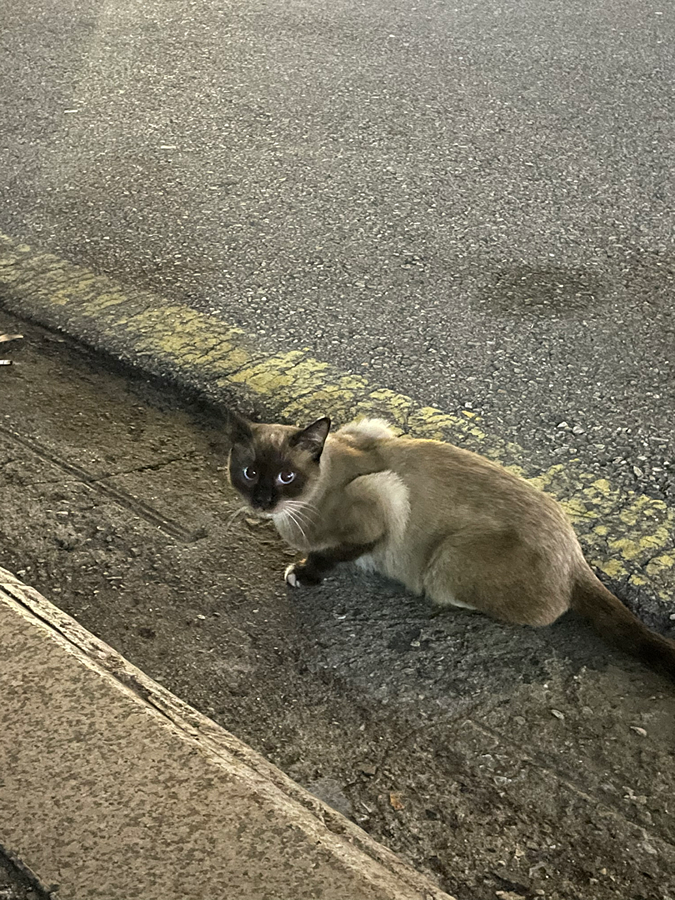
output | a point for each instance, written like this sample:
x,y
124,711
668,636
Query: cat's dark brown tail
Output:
x,y
617,624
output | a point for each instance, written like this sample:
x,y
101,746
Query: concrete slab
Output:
x,y
112,788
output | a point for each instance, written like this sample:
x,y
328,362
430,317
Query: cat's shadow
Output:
x,y
399,649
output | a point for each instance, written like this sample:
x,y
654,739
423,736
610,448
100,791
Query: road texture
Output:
x,y
472,200
628,535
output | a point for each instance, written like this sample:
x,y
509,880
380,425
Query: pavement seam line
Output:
x,y
122,498
628,536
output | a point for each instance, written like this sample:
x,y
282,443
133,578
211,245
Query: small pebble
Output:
x,y
396,801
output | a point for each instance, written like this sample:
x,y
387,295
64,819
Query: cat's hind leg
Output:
x,y
496,574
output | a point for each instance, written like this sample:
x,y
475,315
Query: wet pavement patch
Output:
x,y
544,291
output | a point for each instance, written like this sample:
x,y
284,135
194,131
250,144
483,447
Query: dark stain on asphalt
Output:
x,y
543,291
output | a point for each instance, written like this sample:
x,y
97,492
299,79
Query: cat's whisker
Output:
x,y
235,515
297,524
299,513
303,509
285,519
290,514
300,516
306,504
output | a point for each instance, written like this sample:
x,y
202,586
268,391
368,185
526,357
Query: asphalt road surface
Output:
x,y
473,202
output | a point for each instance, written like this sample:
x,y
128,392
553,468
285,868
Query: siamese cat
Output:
x,y
443,521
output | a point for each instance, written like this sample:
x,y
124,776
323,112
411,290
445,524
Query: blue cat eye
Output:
x,y
286,476
250,473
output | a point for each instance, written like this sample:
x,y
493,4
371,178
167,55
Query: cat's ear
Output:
x,y
313,437
240,430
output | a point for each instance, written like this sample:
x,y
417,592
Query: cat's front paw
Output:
x,y
297,575
290,577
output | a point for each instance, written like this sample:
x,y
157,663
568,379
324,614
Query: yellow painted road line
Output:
x,y
625,534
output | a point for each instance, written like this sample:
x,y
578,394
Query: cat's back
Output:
x,y
364,433
435,463
441,477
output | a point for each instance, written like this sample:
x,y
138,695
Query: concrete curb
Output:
x,y
628,536
114,788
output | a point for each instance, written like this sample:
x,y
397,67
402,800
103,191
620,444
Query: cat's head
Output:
x,y
272,464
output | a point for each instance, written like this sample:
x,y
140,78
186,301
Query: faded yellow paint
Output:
x,y
626,548
339,401
515,470
576,509
602,486
477,433
388,404
660,564
612,567
544,481
642,506
639,580
291,373
429,422
98,304
636,532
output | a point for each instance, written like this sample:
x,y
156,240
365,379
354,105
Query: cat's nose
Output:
x,y
262,500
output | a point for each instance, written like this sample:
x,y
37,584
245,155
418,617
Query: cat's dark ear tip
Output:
x,y
320,428
238,426
313,436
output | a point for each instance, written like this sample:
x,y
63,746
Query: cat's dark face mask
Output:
x,y
271,464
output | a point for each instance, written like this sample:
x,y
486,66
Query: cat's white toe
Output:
x,y
290,577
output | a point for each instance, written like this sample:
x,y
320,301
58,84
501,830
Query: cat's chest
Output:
x,y
296,529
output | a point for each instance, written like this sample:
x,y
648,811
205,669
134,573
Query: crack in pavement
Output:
x,y
578,787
